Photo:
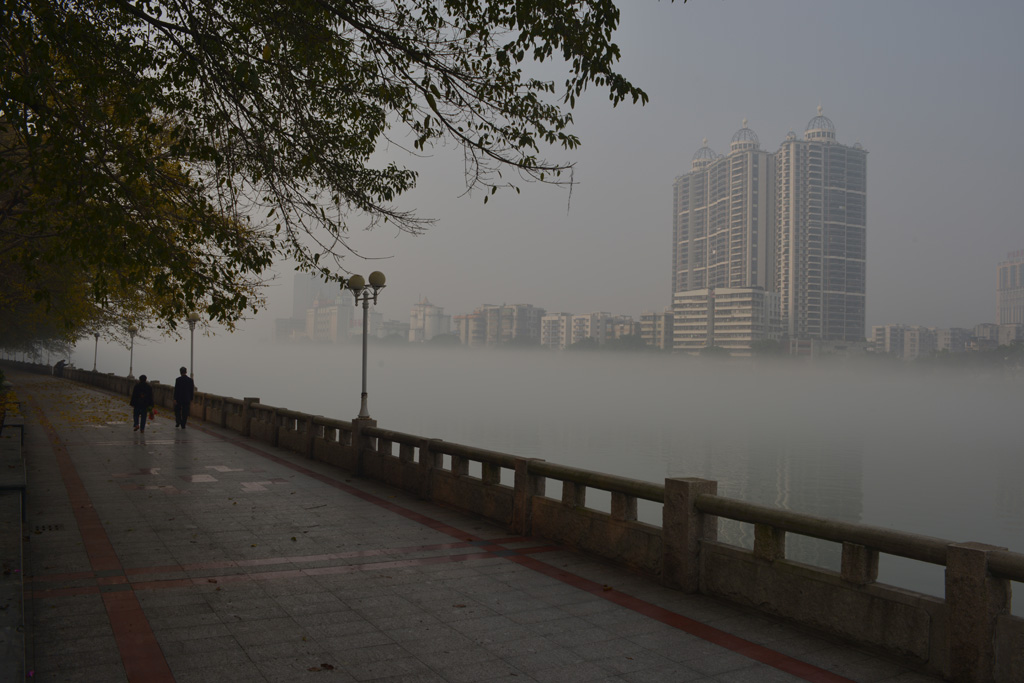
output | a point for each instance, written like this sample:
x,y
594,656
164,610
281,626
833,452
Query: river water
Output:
x,y
936,452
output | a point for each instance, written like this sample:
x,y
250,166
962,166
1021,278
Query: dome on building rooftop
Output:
x,y
703,156
705,153
744,139
744,134
820,128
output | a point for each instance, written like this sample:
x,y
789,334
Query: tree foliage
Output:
x,y
177,146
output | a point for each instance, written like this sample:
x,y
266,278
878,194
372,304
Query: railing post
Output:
x,y
275,427
490,473
769,543
526,487
460,466
360,441
974,599
623,507
309,436
573,494
430,459
683,529
860,564
247,414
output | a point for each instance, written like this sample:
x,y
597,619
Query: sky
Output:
x,y
931,88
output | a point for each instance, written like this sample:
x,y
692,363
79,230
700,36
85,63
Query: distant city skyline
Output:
x,y
944,160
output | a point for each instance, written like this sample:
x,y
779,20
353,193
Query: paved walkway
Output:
x,y
199,556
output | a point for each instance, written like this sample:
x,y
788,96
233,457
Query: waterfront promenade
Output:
x,y
200,555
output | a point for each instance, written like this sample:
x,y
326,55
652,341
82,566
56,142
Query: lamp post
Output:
x,y
193,318
132,331
359,288
96,350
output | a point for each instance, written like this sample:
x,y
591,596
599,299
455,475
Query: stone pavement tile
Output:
x,y
443,644
49,610
592,635
581,672
335,623
69,633
311,603
639,660
566,624
537,615
494,627
303,668
532,662
222,672
68,661
417,677
387,668
717,663
287,647
256,631
871,670
479,671
201,648
192,632
178,616
674,673
71,646
624,622
506,648
422,621
228,658
108,673
361,642
757,674
447,657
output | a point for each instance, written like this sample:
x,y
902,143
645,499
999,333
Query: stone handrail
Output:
x,y
968,636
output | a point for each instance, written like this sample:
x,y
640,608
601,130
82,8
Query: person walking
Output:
x,y
184,390
142,404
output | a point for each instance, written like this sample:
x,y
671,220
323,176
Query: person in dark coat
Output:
x,y
142,403
184,390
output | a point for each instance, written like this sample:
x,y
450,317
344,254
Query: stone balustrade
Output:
x,y
969,635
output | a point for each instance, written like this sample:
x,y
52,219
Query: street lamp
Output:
x,y
193,318
95,350
360,288
132,331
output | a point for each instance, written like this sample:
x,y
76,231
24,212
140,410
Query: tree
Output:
x,y
181,145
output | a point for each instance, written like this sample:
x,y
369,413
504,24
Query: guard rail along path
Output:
x,y
970,635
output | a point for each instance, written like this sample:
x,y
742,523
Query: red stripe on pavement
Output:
x,y
141,656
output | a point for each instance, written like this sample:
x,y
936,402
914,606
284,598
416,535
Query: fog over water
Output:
x,y
932,451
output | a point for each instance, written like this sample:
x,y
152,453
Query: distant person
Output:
x,y
184,390
142,403
58,369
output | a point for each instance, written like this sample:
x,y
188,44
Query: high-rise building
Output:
x,y
723,222
820,210
792,222
427,321
1010,289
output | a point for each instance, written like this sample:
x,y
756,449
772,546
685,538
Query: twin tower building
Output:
x,y
771,246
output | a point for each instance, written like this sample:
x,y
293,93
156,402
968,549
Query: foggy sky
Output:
x,y
931,88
